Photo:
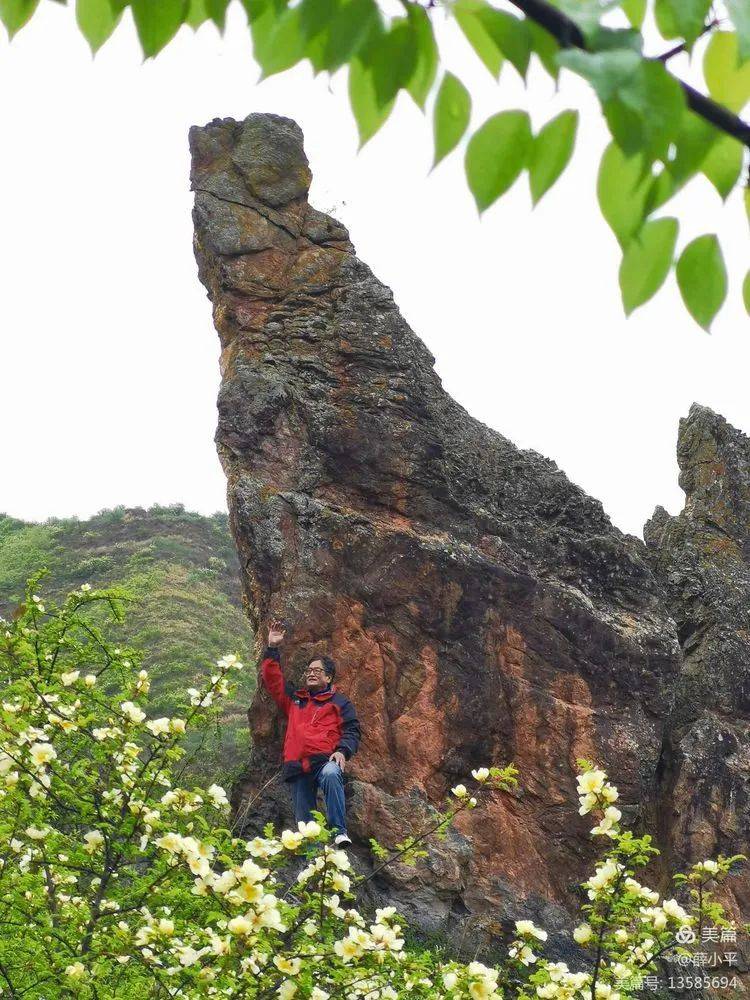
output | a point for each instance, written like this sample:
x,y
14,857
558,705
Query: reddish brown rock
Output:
x,y
480,606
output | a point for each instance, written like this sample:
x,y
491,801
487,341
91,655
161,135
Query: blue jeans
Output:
x,y
330,779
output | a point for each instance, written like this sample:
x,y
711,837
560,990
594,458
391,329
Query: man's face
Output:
x,y
315,676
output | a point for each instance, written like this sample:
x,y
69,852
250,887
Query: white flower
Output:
x,y
89,680
133,713
591,781
548,990
177,725
289,966
449,980
42,753
460,791
708,866
239,925
85,587
287,990
673,909
291,840
75,971
310,829
157,727
70,678
94,839
481,774
528,927
609,793
582,933
218,796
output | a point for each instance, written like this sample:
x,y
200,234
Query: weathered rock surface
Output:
x,y
481,607
702,557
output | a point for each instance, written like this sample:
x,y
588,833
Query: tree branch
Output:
x,y
683,46
569,35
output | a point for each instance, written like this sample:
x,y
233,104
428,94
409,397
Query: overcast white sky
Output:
x,y
109,362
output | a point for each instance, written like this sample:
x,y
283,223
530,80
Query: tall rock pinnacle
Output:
x,y
480,607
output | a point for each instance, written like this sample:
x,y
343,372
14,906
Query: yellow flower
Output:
x,y
481,774
460,791
70,678
75,971
582,933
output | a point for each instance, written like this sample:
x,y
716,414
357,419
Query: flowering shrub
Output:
x,y
117,882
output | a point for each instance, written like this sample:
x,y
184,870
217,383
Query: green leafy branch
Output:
x,y
665,132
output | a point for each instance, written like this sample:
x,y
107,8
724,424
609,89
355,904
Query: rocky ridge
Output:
x,y
480,606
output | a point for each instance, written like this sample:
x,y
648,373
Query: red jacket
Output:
x,y
317,723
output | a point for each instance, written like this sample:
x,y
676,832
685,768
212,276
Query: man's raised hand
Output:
x,y
338,758
276,633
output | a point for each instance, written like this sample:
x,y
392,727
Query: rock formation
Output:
x,y
702,558
481,608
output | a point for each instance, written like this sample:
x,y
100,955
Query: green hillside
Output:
x,y
182,568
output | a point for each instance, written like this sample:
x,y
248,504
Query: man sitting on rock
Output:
x,y
322,733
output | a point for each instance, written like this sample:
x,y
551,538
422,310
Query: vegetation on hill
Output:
x,y
181,569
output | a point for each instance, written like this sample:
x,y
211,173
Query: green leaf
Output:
x,y
623,189
551,152
97,19
497,153
451,115
285,46
15,13
546,48
607,72
349,31
635,11
423,77
316,17
739,11
393,60
723,164
681,18
369,113
587,13
264,16
727,79
511,36
691,146
197,14
702,278
465,12
746,292
646,262
157,23
654,103
217,11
